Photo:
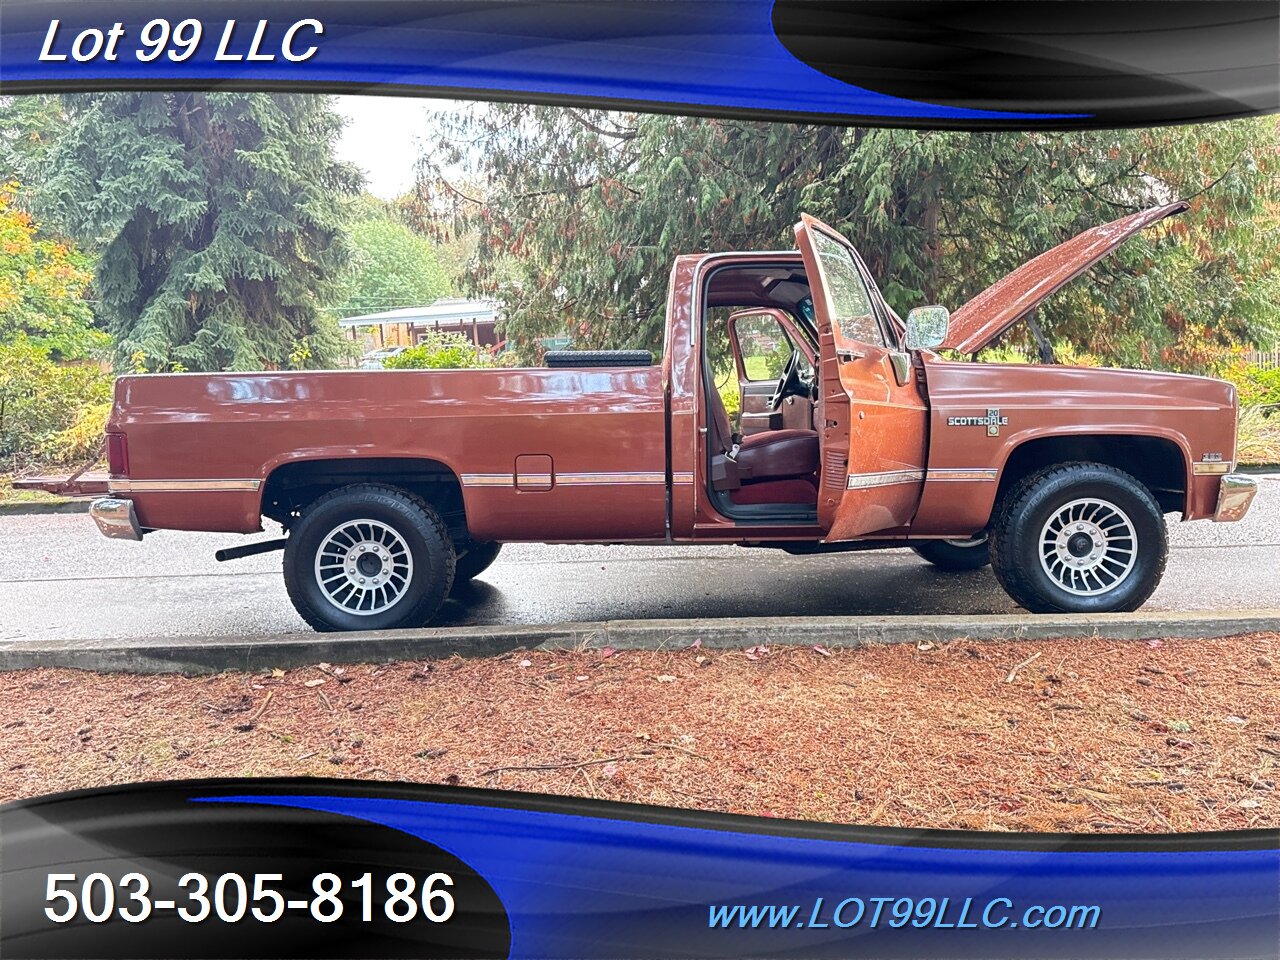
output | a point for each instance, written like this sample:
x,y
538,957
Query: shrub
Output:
x,y
730,394
49,412
1257,386
82,439
441,351
1258,437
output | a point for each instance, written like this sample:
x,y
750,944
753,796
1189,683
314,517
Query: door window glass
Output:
x,y
847,296
764,346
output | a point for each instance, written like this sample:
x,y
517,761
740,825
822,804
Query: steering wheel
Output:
x,y
788,382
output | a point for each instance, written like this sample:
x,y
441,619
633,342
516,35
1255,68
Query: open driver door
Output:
x,y
872,417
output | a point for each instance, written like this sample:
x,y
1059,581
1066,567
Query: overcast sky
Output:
x,y
381,138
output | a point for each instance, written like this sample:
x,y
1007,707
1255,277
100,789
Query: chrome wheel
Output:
x,y
363,567
1088,547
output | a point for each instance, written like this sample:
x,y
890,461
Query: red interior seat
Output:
x,y
761,457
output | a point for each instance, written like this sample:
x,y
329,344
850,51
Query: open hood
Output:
x,y
1012,297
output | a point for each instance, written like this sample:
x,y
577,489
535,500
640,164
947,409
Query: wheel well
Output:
x,y
291,487
1154,461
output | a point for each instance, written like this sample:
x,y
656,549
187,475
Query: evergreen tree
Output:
x,y
592,206
29,125
218,222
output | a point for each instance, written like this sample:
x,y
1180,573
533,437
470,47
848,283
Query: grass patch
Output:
x,y
9,495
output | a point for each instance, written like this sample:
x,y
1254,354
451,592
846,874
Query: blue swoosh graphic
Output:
x,y
709,54
572,881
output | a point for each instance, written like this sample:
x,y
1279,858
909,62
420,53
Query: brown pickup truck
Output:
x,y
854,433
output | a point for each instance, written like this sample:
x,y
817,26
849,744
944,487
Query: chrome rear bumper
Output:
x,y
116,518
1234,496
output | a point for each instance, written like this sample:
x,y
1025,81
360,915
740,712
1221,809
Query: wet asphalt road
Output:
x,y
62,580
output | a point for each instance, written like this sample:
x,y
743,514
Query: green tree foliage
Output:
x,y
455,237
593,205
29,125
217,219
42,285
391,267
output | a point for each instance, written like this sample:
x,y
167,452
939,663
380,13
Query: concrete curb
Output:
x,y
216,654
35,508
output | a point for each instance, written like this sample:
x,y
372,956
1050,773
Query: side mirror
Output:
x,y
926,327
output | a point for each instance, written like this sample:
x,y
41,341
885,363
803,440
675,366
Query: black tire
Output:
x,y
955,554
1039,577
476,560
413,590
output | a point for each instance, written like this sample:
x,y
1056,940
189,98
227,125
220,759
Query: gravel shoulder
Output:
x,y
1072,735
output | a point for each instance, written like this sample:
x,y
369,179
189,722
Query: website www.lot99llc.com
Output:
x,y
899,912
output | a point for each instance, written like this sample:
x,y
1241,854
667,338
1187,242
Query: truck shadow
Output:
x,y
753,584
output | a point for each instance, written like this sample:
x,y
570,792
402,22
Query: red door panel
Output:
x,y
873,424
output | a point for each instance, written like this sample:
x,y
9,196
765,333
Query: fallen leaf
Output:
x,y
609,770
607,652
821,650
581,677
1238,721
1250,804
277,673
666,678
525,663
314,683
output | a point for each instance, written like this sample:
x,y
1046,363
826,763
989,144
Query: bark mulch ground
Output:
x,y
1080,735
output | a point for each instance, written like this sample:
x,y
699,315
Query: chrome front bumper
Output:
x,y
116,518
1235,494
